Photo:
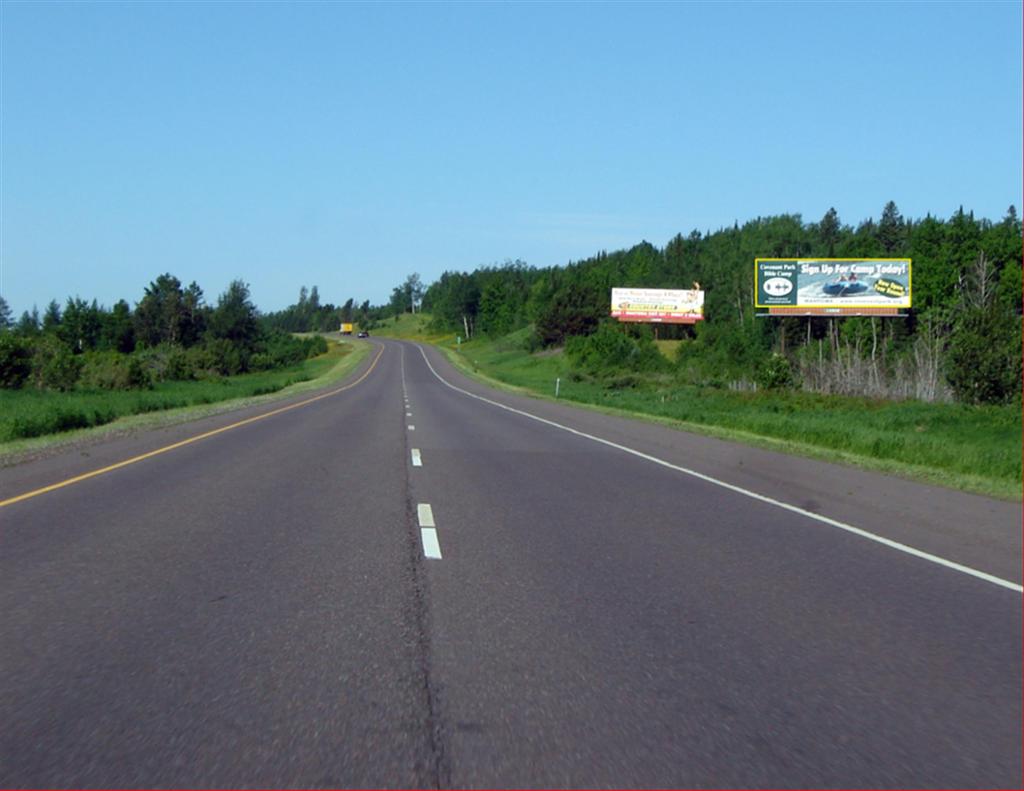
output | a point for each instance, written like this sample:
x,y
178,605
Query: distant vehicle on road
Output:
x,y
346,328
363,334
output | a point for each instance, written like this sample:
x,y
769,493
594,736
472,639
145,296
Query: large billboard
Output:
x,y
657,305
830,286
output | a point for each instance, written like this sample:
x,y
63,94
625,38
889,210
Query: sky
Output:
x,y
347,145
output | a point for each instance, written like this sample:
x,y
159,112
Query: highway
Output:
x,y
418,581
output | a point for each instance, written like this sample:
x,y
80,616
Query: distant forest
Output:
x,y
961,341
170,335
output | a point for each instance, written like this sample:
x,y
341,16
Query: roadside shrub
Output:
x,y
15,361
280,350
625,382
775,373
54,366
610,349
113,371
221,356
156,361
316,345
983,365
261,361
532,342
180,365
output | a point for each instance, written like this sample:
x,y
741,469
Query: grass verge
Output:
x,y
975,449
33,423
410,327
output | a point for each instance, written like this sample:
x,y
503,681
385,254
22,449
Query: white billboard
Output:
x,y
657,305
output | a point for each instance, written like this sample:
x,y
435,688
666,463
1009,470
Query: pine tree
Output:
x,y
5,315
52,316
892,231
828,230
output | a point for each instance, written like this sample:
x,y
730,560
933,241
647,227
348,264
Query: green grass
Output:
x,y
29,413
411,327
970,448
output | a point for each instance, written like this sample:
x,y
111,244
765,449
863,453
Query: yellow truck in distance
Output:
x,y
346,329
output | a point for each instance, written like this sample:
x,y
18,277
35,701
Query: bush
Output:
x,y
220,356
532,342
113,371
610,349
15,360
54,367
156,361
984,363
775,373
280,350
180,365
315,345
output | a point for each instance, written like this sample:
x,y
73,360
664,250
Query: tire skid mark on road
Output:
x,y
189,441
740,490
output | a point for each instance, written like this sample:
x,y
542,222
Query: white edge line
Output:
x,y
425,515
745,492
431,546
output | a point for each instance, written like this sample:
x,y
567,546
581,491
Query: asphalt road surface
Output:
x,y
416,581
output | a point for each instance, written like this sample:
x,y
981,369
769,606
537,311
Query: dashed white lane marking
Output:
x,y
428,533
745,492
412,428
431,547
416,460
408,414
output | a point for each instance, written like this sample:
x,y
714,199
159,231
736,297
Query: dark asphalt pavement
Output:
x,y
255,609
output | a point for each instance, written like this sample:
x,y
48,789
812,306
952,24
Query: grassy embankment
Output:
x,y
29,418
975,449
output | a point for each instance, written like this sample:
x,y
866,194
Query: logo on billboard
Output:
x,y
778,286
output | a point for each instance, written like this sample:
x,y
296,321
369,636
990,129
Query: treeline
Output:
x,y
172,334
961,340
308,315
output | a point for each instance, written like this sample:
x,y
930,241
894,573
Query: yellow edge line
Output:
x,y
189,441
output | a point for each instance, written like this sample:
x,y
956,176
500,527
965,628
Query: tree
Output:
x,y
984,363
118,332
51,316
81,326
454,300
828,230
892,231
574,310
235,318
194,314
412,291
497,313
28,324
5,315
15,360
161,315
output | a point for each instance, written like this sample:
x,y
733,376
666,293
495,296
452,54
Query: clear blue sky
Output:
x,y
348,145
